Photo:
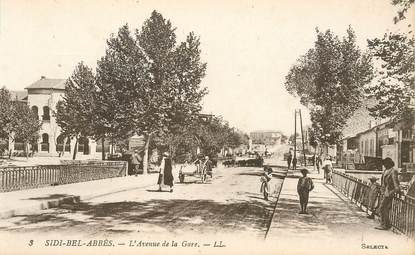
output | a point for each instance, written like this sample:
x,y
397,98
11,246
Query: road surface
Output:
x,y
228,205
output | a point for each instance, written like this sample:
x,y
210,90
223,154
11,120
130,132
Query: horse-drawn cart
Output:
x,y
197,169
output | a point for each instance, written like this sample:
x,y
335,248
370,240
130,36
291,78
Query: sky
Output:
x,y
248,45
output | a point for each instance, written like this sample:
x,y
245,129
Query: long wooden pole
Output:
x,y
295,137
302,137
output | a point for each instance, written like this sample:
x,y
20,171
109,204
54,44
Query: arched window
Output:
x,y
60,142
46,115
45,142
35,111
83,145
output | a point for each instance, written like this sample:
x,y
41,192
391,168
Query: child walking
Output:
x,y
304,186
265,178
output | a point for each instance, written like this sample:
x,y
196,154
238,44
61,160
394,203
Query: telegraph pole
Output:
x,y
295,138
302,137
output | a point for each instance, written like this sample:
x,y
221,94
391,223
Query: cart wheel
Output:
x,y
181,178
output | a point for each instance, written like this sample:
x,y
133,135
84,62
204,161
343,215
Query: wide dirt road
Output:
x,y
228,205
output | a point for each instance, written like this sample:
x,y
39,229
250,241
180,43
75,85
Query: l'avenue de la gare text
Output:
x,y
130,243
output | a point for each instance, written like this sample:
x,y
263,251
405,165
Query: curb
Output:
x,y
47,204
70,199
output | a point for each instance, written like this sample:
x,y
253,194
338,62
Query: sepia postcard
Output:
x,y
207,127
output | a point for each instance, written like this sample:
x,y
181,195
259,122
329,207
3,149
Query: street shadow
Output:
x,y
53,196
201,216
156,190
330,214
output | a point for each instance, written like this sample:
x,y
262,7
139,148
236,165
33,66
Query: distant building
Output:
x,y
42,97
266,137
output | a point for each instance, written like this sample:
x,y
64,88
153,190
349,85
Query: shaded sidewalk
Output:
x,y
32,201
333,226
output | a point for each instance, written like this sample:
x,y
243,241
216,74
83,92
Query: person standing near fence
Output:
x,y
327,168
390,187
373,197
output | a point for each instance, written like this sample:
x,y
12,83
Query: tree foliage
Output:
x,y
75,113
329,79
151,83
404,6
394,86
17,120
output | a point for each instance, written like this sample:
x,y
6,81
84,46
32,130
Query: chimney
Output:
x,y
42,77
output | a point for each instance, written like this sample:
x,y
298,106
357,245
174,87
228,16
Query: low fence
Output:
x,y
402,215
28,177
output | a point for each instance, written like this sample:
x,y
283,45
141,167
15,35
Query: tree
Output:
x,y
75,113
119,81
394,86
26,125
6,116
17,120
404,6
395,83
329,80
153,83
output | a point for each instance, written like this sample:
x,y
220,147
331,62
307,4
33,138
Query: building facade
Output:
x,y
368,137
42,97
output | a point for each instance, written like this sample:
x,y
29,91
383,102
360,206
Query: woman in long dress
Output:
x,y
165,174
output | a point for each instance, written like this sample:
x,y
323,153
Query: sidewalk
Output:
x,y
333,226
32,201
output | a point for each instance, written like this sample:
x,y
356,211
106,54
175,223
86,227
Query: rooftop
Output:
x,y
46,83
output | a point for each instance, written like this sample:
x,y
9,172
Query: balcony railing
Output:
x,y
17,178
402,211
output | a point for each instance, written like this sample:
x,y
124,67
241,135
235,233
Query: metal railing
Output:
x,y
402,214
28,177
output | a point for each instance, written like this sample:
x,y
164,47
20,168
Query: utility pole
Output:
x,y
295,138
302,137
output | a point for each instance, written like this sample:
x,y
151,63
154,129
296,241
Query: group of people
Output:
x,y
165,178
380,197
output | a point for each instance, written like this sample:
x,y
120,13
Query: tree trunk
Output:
x,y
145,159
26,150
103,147
64,146
315,158
75,150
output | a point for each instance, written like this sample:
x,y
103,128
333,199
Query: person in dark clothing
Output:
x,y
165,174
289,159
390,187
294,162
304,186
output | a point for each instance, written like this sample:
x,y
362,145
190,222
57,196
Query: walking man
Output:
x,y
390,187
289,159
